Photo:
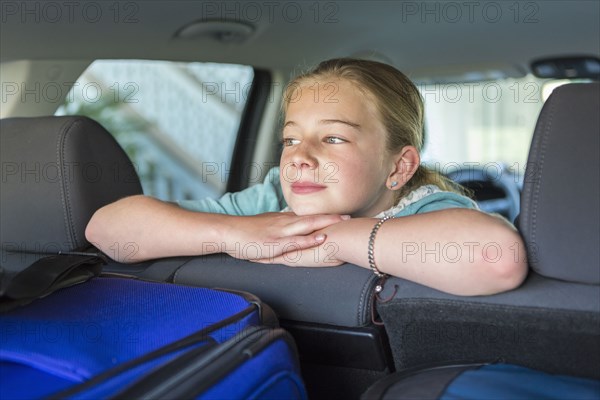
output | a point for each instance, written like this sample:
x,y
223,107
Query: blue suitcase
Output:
x,y
123,338
482,382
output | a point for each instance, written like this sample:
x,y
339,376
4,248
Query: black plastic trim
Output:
x,y
245,144
361,348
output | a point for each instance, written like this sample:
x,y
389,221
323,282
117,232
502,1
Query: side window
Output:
x,y
178,122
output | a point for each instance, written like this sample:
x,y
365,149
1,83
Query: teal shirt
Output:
x,y
268,197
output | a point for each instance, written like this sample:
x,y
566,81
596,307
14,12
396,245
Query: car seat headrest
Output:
x,y
560,199
56,172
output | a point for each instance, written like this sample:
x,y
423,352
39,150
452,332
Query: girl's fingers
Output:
x,y
303,242
312,223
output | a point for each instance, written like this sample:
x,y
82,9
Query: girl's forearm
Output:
x,y
459,251
138,228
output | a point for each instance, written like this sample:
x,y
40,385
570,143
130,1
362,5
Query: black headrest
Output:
x,y
56,172
560,200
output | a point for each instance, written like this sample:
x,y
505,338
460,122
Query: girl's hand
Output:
x,y
324,255
271,235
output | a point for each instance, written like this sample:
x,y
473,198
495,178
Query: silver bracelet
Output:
x,y
372,264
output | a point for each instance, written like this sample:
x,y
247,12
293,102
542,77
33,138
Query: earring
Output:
x,y
394,184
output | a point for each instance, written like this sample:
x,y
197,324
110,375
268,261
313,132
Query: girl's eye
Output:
x,y
334,140
290,142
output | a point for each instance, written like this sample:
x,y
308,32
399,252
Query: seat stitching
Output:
x,y
362,311
545,133
65,191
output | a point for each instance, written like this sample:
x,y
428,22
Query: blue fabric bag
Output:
x,y
118,337
482,382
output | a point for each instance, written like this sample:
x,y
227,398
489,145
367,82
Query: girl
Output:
x,y
351,189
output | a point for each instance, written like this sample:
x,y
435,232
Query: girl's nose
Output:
x,y
304,156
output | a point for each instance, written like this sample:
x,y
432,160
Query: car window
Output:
x,y
486,124
178,122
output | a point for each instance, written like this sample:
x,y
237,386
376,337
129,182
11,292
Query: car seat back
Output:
x,y
551,322
56,172
560,201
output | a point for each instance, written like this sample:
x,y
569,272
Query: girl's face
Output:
x,y
334,159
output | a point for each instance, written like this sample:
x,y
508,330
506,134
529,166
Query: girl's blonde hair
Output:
x,y
398,102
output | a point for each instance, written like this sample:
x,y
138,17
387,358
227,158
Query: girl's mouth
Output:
x,y
306,187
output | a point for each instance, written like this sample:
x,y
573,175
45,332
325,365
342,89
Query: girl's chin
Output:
x,y
311,210
302,210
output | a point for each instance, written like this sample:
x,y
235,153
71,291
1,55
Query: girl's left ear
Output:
x,y
406,163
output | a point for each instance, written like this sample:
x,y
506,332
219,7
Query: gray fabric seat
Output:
x,y
56,172
560,201
303,294
340,296
552,322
